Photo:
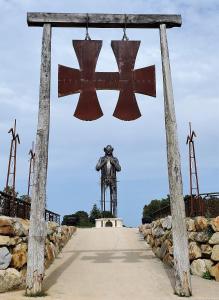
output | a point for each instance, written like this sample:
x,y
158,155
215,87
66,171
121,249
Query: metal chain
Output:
x,y
87,36
125,37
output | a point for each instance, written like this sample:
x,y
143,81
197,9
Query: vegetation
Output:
x,y
83,219
37,295
95,214
25,198
209,231
107,214
207,275
10,191
80,219
155,205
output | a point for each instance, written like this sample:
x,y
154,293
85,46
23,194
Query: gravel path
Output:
x,y
112,264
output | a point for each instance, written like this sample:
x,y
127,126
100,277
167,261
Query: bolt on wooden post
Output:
x,y
37,232
179,232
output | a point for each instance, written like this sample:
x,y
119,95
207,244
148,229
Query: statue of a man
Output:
x,y
109,165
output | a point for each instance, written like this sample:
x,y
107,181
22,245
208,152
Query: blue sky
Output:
x,y
75,146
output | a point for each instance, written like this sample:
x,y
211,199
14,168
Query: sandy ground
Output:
x,y
112,264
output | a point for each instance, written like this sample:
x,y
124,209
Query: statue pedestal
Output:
x,y
109,222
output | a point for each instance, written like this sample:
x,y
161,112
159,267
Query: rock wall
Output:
x,y
13,249
203,237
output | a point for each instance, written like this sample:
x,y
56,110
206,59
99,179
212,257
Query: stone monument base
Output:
x,y
108,222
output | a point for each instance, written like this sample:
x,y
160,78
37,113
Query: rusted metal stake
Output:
x,y
196,203
31,170
11,174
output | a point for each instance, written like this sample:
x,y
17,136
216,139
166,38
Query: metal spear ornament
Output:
x,y
86,81
11,174
196,203
31,170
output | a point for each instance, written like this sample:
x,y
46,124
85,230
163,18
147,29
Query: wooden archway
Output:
x,y
35,267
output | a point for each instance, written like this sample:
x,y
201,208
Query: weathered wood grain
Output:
x,y
103,20
180,240
37,232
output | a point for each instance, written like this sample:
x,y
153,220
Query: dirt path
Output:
x,y
112,264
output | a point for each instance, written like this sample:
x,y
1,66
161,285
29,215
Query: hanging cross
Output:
x,y
86,81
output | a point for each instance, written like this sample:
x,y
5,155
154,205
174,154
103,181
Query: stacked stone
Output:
x,y
13,249
203,237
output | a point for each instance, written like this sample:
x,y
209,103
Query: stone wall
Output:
x,y
203,237
13,249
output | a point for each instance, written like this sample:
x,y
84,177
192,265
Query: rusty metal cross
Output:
x,y
86,81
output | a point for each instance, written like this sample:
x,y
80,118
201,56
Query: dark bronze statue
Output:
x,y
109,165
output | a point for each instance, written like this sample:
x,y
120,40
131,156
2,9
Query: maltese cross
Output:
x,y
87,81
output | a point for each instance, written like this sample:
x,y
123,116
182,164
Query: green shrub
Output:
x,y
207,275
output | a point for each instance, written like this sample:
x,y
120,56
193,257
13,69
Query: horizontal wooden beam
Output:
x,y
103,20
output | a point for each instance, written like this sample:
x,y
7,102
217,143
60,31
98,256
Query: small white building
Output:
x,y
108,222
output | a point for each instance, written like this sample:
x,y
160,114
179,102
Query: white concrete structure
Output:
x,y
109,222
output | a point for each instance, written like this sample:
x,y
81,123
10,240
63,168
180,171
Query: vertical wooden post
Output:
x,y
37,232
180,240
